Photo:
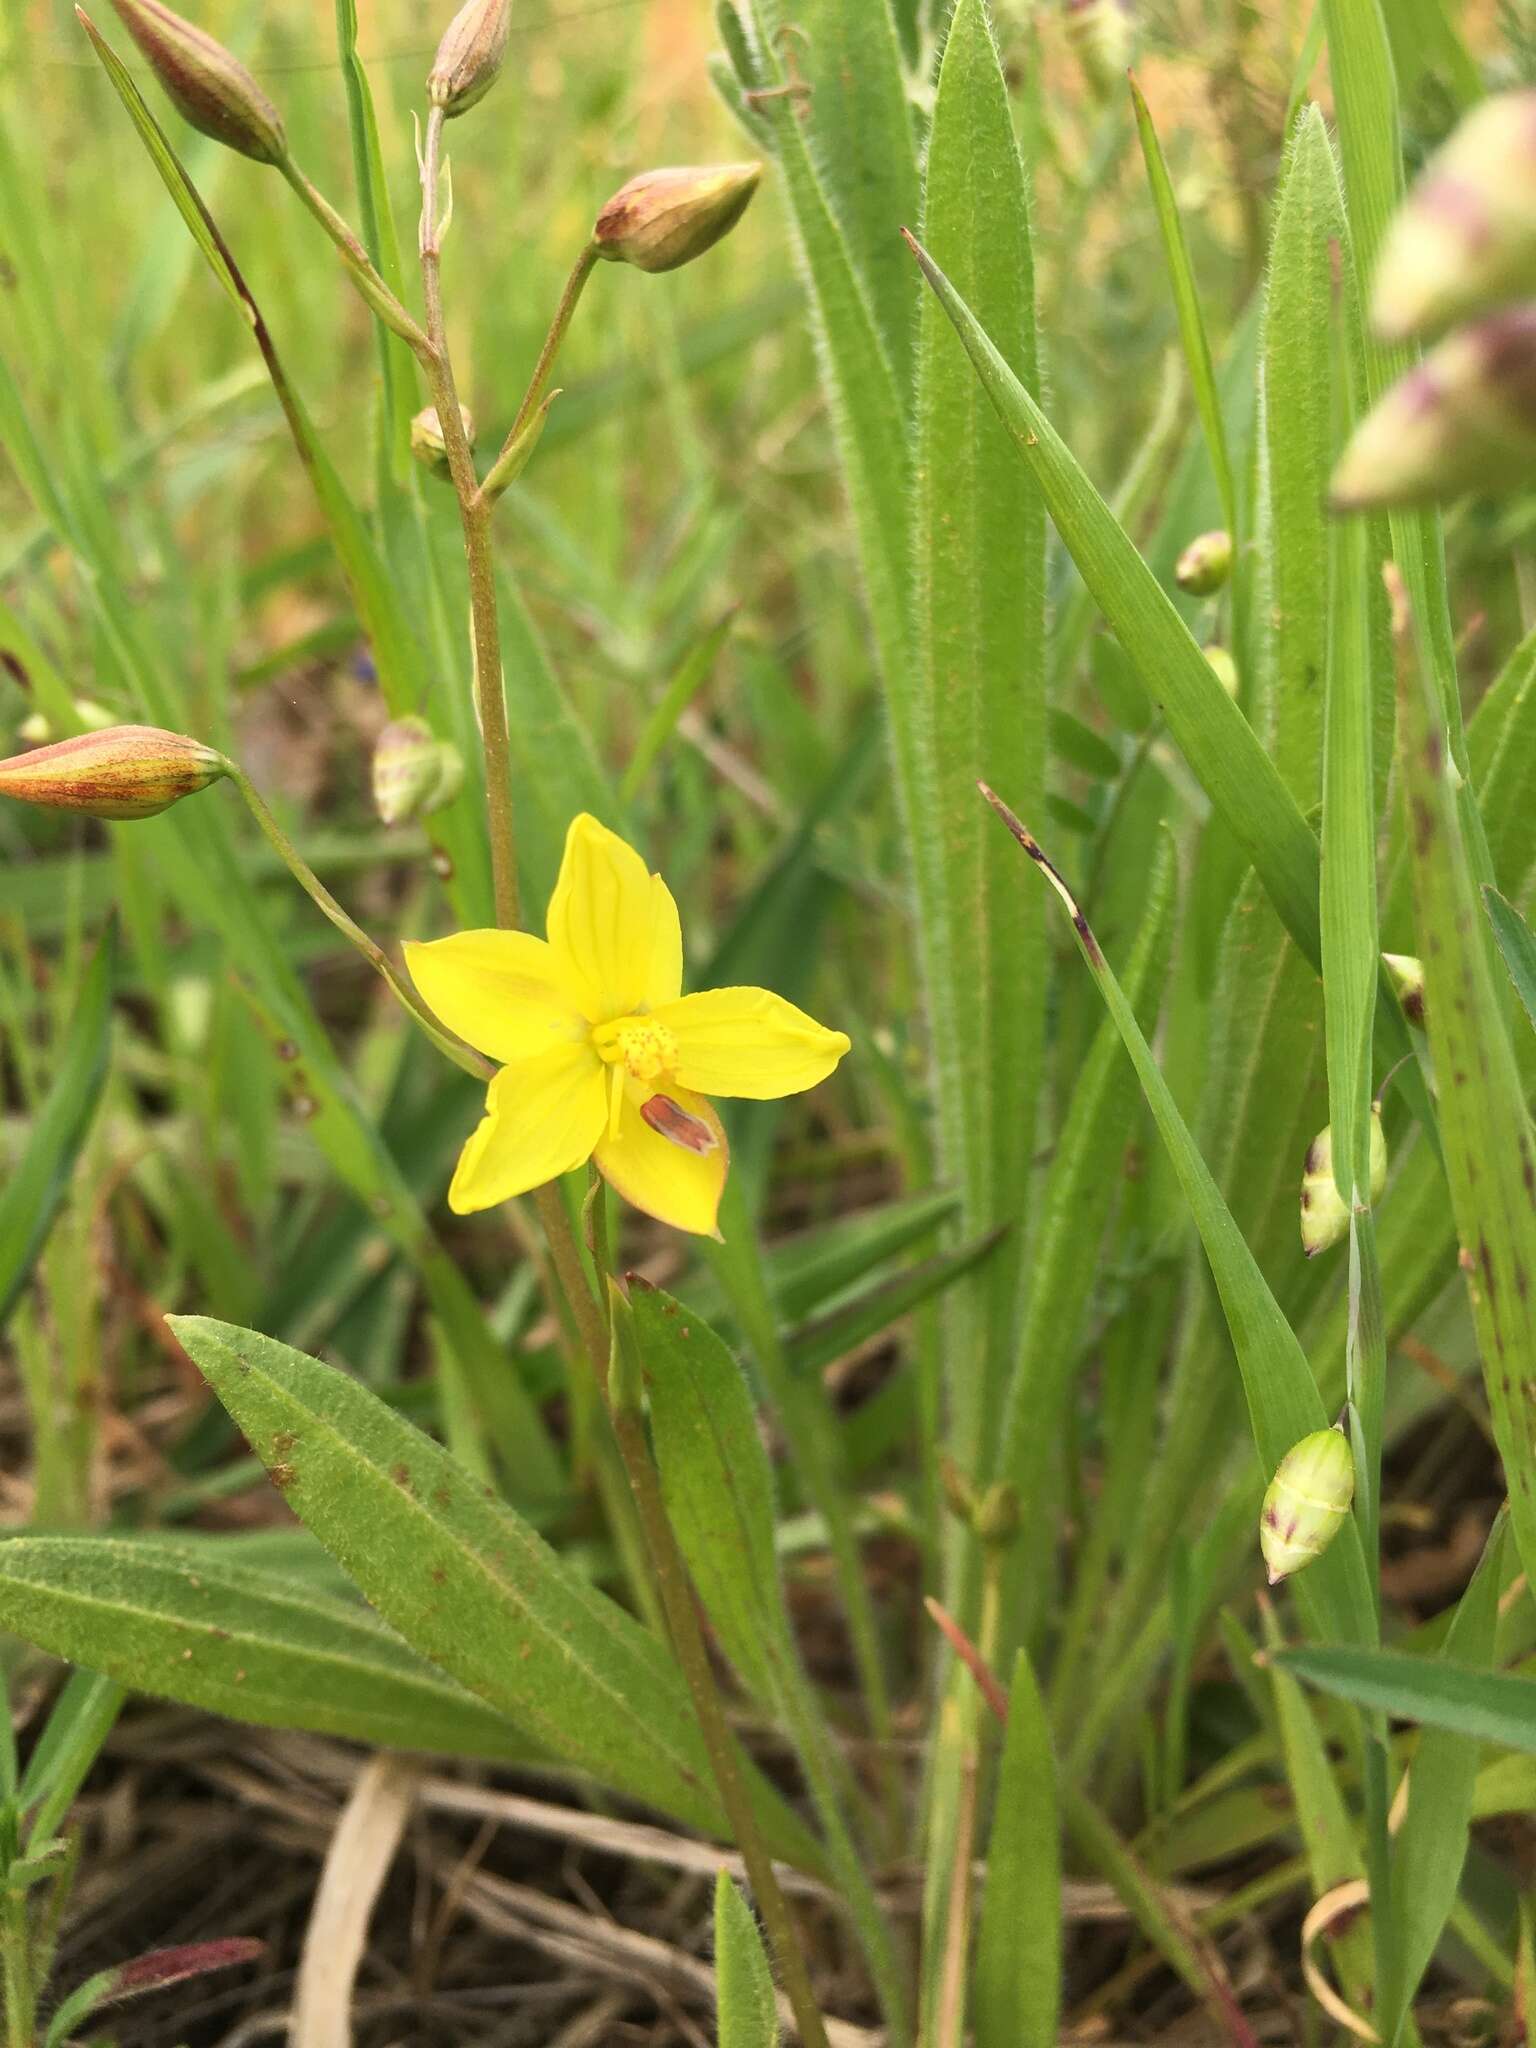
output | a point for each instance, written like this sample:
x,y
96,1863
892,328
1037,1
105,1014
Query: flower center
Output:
x,y
645,1049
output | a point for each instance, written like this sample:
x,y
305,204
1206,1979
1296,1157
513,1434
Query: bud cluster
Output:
x,y
1462,247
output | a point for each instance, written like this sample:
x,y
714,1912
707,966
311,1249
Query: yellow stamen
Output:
x,y
646,1049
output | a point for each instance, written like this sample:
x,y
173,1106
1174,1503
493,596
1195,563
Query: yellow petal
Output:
x,y
748,1041
501,992
664,974
602,920
667,1180
542,1117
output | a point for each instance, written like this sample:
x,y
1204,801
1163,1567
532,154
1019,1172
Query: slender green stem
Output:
x,y
692,1653
474,514
471,1062
512,449
360,265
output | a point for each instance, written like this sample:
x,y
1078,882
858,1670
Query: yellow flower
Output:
x,y
603,1056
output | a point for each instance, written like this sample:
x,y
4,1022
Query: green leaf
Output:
x,y
875,1307
469,1584
1488,1706
718,1487
1297,354
79,1722
1517,943
717,1483
867,411
36,1185
1016,1996
978,700
746,2011
1431,1844
247,1643
1217,740
1283,1401
1489,1157
1186,300
862,140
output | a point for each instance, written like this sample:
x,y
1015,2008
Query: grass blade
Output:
x,y
467,1582
1016,1997
1487,1706
36,1185
746,2012
253,1645
1517,943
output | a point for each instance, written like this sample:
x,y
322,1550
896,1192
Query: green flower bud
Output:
x,y
1306,1502
1464,240
997,1513
1205,564
1226,668
663,219
469,56
126,771
414,773
1324,1212
207,84
427,443
1463,420
1408,979
959,1493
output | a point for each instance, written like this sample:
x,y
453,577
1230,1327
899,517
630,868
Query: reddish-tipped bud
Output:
x,y
427,443
1324,1213
208,85
1306,1502
469,56
126,771
1464,240
1205,564
1463,420
414,773
663,219
1407,974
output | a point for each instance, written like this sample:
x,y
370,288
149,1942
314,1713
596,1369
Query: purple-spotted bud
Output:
x,y
1225,668
1306,1502
427,442
1324,1212
1463,420
1408,980
125,771
414,772
1205,564
1464,240
208,84
469,56
663,219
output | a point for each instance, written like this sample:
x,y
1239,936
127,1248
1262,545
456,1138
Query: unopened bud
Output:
x,y
414,773
1408,979
663,219
208,85
126,771
1463,420
1464,240
469,56
1205,564
1324,1212
1306,1502
427,442
1225,667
